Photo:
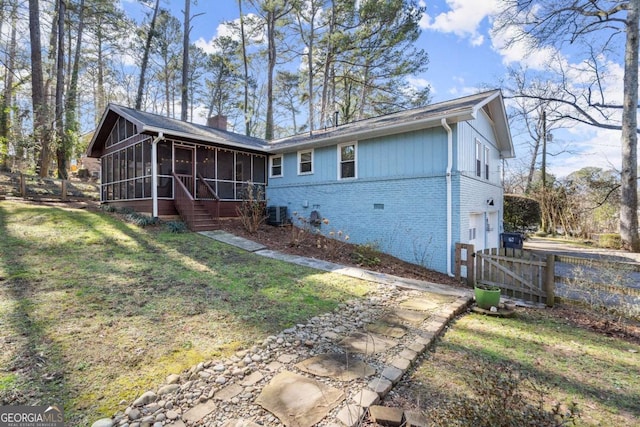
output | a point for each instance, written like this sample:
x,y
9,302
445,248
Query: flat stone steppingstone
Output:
x,y
228,393
199,411
342,366
240,423
420,304
298,401
406,315
386,329
252,379
368,343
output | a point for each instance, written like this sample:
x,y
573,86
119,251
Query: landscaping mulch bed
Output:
x,y
281,238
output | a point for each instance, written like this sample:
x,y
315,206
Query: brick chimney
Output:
x,y
217,122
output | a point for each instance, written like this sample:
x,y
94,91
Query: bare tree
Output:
x,y
145,55
595,25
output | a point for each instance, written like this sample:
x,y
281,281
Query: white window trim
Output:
x,y
281,157
300,153
355,160
478,172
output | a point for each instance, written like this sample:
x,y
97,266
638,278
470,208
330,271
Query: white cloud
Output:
x,y
417,82
463,19
588,146
253,32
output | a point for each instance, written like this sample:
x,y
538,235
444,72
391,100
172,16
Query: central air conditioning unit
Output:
x,y
276,215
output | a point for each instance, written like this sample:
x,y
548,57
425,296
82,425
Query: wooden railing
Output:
x,y
184,200
208,196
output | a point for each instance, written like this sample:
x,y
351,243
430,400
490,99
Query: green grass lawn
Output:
x,y
94,310
601,374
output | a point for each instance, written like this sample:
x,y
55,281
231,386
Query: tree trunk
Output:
x,y
271,64
185,61
7,96
61,152
37,89
145,56
71,120
629,174
245,61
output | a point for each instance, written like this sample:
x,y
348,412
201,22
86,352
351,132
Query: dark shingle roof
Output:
x,y
172,126
456,110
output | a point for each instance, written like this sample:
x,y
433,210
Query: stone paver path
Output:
x,y
332,371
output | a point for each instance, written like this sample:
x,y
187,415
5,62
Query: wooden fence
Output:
x,y
34,187
525,275
519,273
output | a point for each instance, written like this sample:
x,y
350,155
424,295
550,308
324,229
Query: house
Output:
x,y
166,167
412,183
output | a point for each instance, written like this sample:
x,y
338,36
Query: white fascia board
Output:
x,y
221,141
433,121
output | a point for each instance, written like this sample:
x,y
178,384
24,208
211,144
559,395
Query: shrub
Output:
x,y
520,213
367,255
611,240
502,397
252,209
177,226
139,219
108,208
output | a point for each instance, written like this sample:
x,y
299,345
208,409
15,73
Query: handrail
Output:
x,y
208,186
182,186
207,203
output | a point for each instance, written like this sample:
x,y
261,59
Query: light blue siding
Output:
x,y
404,217
397,202
399,199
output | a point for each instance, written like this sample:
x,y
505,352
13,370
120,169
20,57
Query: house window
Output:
x,y
486,162
276,166
305,162
347,161
479,153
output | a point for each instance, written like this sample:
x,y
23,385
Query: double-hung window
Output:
x,y
305,162
275,167
347,156
486,163
479,153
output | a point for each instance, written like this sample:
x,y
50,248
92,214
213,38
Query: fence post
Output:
x,y
471,268
23,186
549,279
64,190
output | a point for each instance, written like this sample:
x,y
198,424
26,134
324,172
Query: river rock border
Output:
x,y
222,392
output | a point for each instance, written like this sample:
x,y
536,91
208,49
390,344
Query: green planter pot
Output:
x,y
487,298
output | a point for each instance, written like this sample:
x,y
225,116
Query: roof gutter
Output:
x,y
446,126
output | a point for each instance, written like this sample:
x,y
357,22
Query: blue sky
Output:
x,y
463,57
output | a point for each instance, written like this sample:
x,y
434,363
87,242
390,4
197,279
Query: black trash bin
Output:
x,y
512,240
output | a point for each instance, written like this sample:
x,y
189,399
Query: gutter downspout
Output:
x,y
154,173
446,126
